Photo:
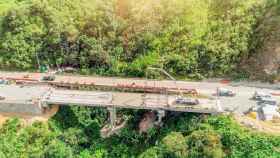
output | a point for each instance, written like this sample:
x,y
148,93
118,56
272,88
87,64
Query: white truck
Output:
x,y
259,95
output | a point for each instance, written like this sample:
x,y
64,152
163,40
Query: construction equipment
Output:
x,y
259,95
267,101
252,115
225,92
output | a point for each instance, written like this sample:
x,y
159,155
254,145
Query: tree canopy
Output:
x,y
188,37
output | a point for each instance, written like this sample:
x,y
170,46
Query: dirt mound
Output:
x,y
269,127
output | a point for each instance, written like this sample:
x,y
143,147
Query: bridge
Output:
x,y
36,100
27,93
39,99
142,91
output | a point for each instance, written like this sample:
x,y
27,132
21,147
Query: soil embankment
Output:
x,y
269,127
29,119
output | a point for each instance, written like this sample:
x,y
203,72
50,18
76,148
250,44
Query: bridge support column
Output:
x,y
113,116
160,115
218,105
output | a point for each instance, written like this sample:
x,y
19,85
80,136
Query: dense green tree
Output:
x,y
58,149
204,144
190,136
175,145
188,37
152,152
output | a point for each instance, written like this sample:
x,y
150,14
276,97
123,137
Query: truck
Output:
x,y
267,101
259,95
225,92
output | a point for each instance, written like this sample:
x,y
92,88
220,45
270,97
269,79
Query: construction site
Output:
x,y
29,94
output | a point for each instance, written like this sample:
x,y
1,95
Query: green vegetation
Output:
x,y
262,60
74,133
189,38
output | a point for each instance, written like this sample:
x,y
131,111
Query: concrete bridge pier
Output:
x,y
160,115
113,116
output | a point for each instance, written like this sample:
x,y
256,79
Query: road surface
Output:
x,y
240,103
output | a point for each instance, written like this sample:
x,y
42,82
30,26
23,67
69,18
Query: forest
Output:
x,y
74,133
191,39
188,38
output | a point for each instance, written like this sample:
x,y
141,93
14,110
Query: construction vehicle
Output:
x,y
225,92
253,115
261,95
267,101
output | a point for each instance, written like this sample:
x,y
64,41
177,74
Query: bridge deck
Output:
x,y
37,96
240,103
154,86
125,100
